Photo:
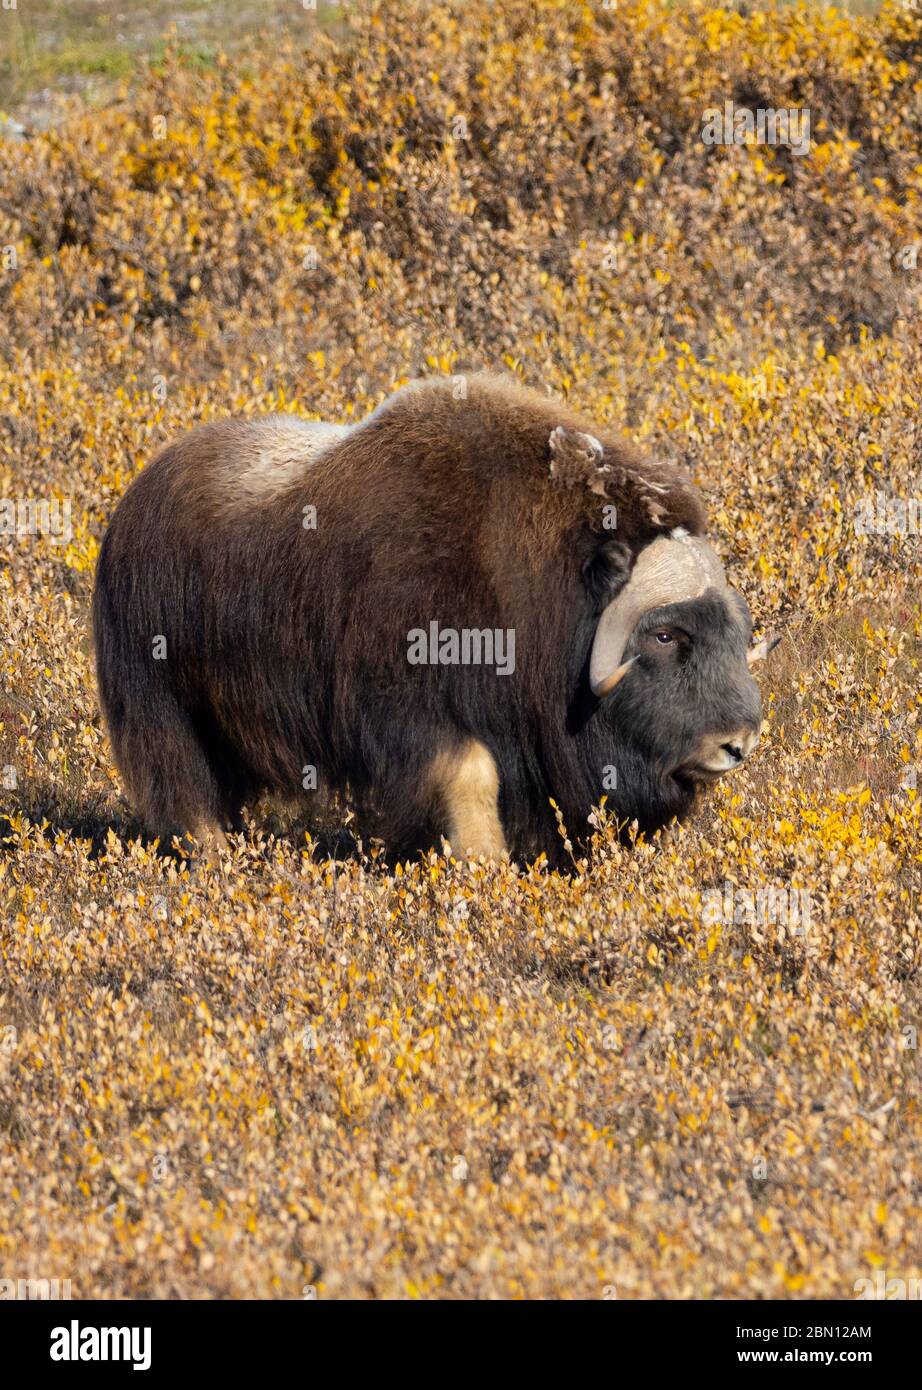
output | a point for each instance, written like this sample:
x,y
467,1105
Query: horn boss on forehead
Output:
x,y
668,570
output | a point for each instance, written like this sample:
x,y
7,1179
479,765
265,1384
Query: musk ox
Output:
x,y
466,605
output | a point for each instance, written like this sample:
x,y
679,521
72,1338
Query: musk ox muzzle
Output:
x,y
259,580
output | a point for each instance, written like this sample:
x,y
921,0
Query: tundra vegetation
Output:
x,y
316,1075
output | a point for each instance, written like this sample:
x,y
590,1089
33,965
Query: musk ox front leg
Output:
x,y
466,784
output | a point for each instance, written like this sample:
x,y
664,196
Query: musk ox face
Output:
x,y
670,666
686,707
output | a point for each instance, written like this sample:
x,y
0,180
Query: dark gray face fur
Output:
x,y
688,706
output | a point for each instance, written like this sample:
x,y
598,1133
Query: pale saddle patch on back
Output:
x,y
266,456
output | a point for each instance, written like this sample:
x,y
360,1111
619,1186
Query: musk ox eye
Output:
x,y
664,637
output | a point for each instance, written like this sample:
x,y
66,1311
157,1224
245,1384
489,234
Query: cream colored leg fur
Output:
x,y
467,782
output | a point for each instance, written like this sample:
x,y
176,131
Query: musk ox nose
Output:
x,y
741,744
716,754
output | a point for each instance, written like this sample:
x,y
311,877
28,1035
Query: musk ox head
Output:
x,y
669,662
670,656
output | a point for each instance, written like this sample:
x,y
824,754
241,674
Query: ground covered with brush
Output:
x,y
313,1074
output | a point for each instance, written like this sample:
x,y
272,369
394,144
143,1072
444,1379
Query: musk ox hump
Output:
x,y
577,458
661,496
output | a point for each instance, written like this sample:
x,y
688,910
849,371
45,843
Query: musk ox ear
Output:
x,y
607,570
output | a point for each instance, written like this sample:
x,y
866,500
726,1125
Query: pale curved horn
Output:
x,y
668,570
761,650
